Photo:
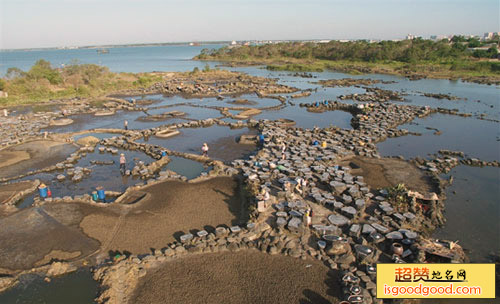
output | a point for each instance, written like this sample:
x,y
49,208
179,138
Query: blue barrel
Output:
x,y
261,138
315,143
317,103
163,153
101,195
43,192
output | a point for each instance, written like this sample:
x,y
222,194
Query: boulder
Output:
x,y
88,141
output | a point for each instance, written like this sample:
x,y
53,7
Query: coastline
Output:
x,y
412,72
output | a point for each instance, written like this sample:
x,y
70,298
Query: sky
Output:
x,y
53,23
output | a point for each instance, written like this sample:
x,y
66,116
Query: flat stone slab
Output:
x,y
360,203
355,230
280,221
338,220
395,235
235,229
202,233
186,237
349,211
367,229
294,223
380,228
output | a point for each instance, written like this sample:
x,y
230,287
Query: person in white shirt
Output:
x,y
204,150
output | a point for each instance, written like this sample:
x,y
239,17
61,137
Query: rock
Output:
x,y
235,229
59,268
355,230
186,237
338,187
346,259
367,229
338,220
394,235
280,221
360,203
294,223
220,231
380,228
349,211
88,141
338,248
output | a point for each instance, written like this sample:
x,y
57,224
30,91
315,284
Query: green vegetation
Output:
x,y
435,59
43,82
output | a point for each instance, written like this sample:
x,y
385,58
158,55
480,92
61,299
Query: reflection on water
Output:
x,y
75,288
477,138
473,211
186,167
106,176
221,140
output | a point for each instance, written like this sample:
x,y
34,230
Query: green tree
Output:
x,y
42,70
2,84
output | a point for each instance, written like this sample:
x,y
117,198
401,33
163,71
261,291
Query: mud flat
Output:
x,y
35,236
381,173
38,154
242,277
171,209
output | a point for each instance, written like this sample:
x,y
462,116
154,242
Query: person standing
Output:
x,y
125,125
308,217
204,150
123,162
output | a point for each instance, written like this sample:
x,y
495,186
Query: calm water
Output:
x,y
472,211
472,208
119,59
75,288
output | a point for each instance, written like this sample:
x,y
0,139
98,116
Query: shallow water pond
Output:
x,y
75,288
477,138
309,120
186,167
472,211
221,141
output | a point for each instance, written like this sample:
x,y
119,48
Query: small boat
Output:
x,y
102,51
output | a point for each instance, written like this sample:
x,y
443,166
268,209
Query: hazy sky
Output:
x,y
47,23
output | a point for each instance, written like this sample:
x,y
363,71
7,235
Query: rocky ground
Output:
x,y
172,239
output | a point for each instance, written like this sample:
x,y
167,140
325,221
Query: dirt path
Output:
x,y
243,277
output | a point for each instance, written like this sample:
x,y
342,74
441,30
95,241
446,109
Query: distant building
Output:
x,y
488,36
324,41
410,37
233,42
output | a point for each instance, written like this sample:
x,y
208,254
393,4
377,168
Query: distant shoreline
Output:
x,y
109,46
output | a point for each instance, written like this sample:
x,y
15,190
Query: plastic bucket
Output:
x,y
163,153
101,195
43,192
94,195
261,139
